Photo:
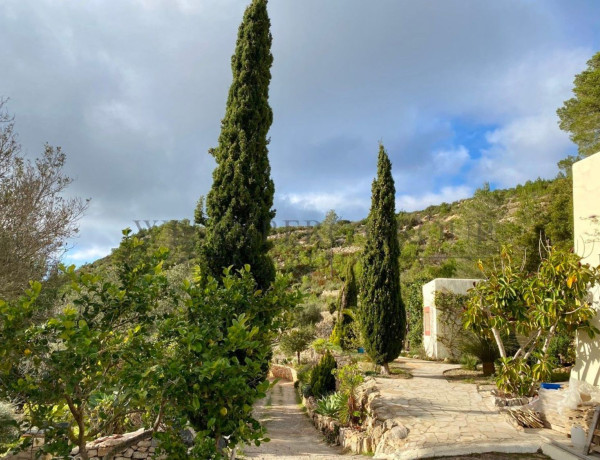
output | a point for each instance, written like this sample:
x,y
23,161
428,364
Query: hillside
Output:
x,y
445,240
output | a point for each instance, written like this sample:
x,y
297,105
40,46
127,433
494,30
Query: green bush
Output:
x,y
304,373
331,405
309,315
9,432
469,362
322,380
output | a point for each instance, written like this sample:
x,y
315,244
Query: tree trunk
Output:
x,y
385,369
298,357
499,342
488,368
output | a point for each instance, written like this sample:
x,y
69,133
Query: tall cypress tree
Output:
x,y
382,315
239,203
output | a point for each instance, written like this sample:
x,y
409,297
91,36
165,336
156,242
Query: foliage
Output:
x,y
322,346
9,432
450,308
304,373
327,233
322,380
36,219
240,200
553,301
479,346
308,315
331,405
296,341
99,343
412,296
580,115
350,378
469,362
221,345
343,333
382,316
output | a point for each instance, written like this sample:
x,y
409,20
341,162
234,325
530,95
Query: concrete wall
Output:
x,y
433,328
586,208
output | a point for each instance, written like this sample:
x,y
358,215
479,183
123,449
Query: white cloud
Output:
x,y
88,254
450,161
446,194
323,202
524,149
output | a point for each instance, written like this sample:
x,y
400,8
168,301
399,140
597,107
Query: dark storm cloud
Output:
x,y
134,92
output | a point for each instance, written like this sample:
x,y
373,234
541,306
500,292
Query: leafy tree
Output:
x,y
580,115
382,315
36,219
220,338
327,233
98,347
296,341
552,302
239,203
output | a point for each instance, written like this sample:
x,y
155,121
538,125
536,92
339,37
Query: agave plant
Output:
x,y
331,405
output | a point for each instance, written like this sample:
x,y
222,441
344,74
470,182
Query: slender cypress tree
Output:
x,y
239,203
382,315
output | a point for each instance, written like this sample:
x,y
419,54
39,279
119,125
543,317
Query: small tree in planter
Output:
x,y
552,301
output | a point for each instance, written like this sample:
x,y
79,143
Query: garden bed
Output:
x,y
468,376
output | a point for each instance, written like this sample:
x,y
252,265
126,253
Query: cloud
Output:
x,y
446,195
134,93
89,254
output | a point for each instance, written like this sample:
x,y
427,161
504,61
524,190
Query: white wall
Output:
x,y
431,343
586,209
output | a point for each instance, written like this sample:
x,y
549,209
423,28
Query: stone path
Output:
x,y
448,419
292,434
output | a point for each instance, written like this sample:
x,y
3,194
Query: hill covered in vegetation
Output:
x,y
445,240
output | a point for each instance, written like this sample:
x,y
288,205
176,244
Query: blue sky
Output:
x,y
461,92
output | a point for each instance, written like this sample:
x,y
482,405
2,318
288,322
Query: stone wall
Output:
x,y
380,434
136,445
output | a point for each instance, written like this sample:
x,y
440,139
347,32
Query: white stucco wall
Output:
x,y
586,209
431,343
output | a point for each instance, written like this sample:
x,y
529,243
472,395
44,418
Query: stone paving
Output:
x,y
446,418
292,434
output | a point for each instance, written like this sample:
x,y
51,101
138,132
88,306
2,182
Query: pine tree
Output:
x,y
239,203
382,315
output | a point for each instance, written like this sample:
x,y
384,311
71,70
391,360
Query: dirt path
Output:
x,y
292,434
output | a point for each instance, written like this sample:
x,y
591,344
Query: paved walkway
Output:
x,y
446,418
292,434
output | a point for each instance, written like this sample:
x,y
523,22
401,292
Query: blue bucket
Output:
x,y
360,350
551,386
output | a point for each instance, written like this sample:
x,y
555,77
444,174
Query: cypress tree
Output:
x,y
239,204
382,315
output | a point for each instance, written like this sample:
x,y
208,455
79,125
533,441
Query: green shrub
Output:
x,y
331,405
479,347
306,390
9,432
322,380
304,373
469,362
309,315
